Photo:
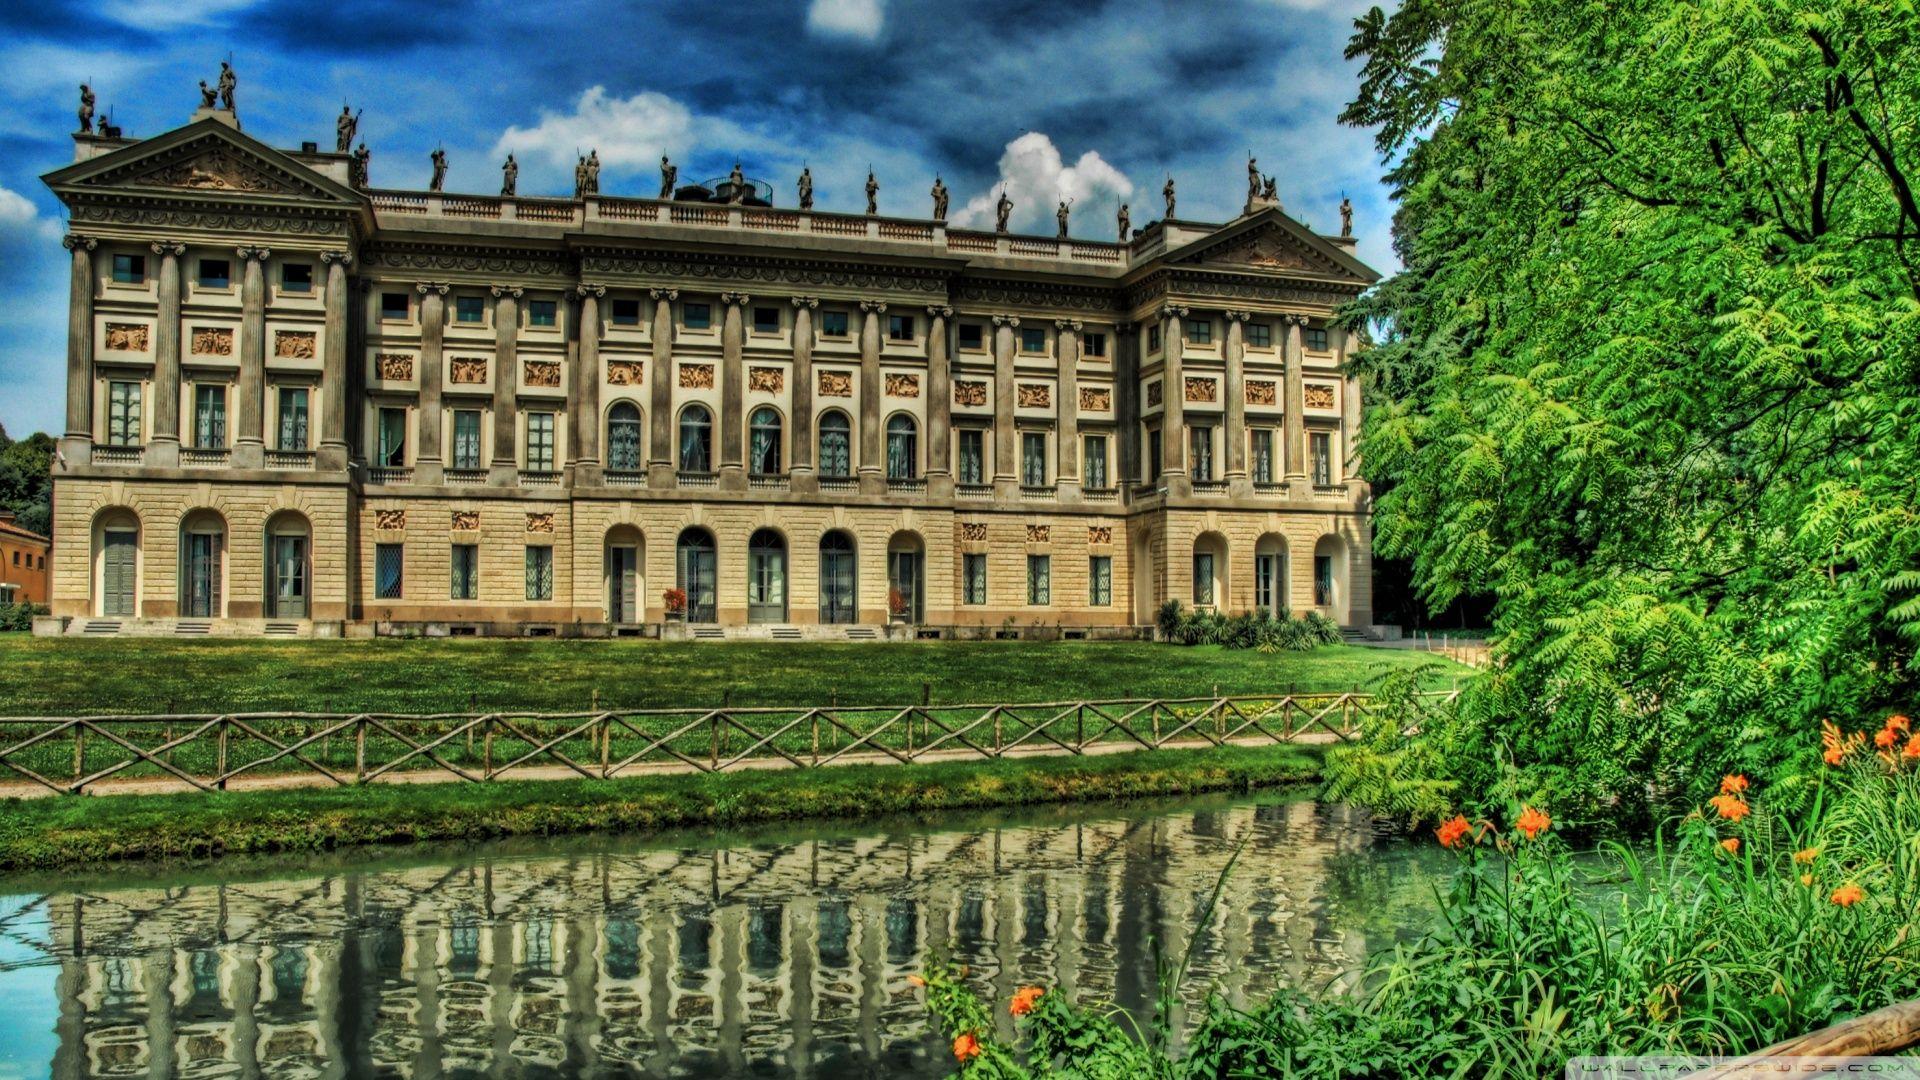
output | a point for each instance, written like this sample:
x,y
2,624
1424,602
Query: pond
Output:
x,y
774,952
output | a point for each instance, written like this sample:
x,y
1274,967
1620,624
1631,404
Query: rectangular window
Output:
x,y
469,309
466,572
833,324
766,320
973,456
129,269
971,337
698,316
900,327
1203,579
626,312
393,438
466,438
1321,453
1262,455
294,402
389,561
1260,335
215,274
543,312
123,414
296,277
540,442
1033,458
1317,340
210,416
394,306
1199,332
1153,456
1323,580
1153,339
1093,453
973,571
539,573
1201,451
1033,340
1039,579
1100,581
1093,345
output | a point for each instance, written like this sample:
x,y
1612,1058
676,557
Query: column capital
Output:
x,y
595,291
876,307
664,294
439,288
1068,324
508,290
1294,320
736,299
1172,311
251,253
77,242
808,302
344,258
1006,320
940,311
1123,328
167,247
1238,316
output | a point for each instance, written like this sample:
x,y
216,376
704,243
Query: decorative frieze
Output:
x,y
969,392
1099,534
1153,394
469,370
903,385
1202,390
128,337
466,521
625,372
540,522
540,372
770,380
1039,534
1318,396
1262,392
389,520
1035,395
696,376
213,341
973,530
836,384
1096,399
394,367
295,344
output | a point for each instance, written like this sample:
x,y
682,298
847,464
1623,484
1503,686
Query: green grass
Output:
x,y
54,832
60,677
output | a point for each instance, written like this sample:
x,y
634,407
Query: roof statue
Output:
x,y
439,170
1167,192
940,198
1126,223
1060,215
1002,210
510,176
669,172
344,129
228,80
873,193
1346,216
806,188
86,109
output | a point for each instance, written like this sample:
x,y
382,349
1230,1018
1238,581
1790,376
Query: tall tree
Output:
x,y
26,480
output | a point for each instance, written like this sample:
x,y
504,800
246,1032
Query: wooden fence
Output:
x,y
101,753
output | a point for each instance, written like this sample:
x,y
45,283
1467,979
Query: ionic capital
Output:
x,y
76,242
246,253
439,288
1067,324
1238,316
808,302
1172,311
595,291
1007,320
876,307
508,290
344,258
168,247
940,311
664,294
736,299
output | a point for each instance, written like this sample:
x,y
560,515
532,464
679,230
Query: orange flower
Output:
x,y
1897,722
1839,745
1532,822
1733,785
1454,833
1731,807
1732,844
1913,748
1848,895
1835,755
1023,1000
966,1048
916,980
1806,855
1807,880
1885,737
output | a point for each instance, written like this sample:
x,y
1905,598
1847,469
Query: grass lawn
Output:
x,y
64,677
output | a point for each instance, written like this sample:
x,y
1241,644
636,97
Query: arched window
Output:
x,y
766,577
203,550
696,439
764,458
836,444
289,549
837,578
116,545
697,575
623,438
903,451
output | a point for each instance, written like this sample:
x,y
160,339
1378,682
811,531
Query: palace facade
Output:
x,y
299,406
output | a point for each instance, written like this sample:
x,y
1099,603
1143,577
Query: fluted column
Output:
x,y
660,441
1295,422
583,411
1173,401
334,391
1236,394
939,402
1126,404
1006,464
427,462
248,444
164,448
804,478
872,442
733,392
1351,415
80,343
506,385
1067,339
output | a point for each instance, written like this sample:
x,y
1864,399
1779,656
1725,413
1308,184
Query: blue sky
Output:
x,y
1097,100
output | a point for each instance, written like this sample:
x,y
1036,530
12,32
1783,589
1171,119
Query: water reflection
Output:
x,y
774,953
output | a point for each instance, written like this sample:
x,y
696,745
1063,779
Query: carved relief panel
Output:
x,y
213,341
770,380
1096,399
1318,396
127,337
540,523
973,530
1039,534
1099,534
468,370
1035,395
903,386
1153,394
394,367
466,521
1202,390
389,519
969,392
540,372
295,344
625,372
1262,392
696,376
836,384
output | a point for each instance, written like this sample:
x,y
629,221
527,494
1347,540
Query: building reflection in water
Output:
x,y
617,957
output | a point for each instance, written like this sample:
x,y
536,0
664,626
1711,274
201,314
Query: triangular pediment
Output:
x,y
208,158
1271,242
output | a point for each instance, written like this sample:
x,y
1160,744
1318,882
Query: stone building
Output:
x,y
23,563
298,406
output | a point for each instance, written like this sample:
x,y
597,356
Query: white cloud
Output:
x,y
169,14
861,19
19,218
1037,179
630,133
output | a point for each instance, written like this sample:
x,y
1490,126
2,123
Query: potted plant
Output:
x,y
896,606
676,601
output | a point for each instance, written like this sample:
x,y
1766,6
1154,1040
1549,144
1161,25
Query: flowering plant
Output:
x,y
896,601
676,601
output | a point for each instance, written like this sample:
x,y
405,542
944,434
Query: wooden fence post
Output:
x,y
713,750
79,753
815,717
606,744
996,731
360,749
220,756
486,747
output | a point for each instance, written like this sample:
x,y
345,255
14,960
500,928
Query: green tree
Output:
x,y
1651,376
26,480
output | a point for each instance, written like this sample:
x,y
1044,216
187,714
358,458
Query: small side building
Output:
x,y
23,563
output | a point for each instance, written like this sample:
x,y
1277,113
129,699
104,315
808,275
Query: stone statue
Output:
x,y
580,177
109,129
1253,178
1126,224
361,168
228,80
439,170
86,109
1167,192
1346,216
940,198
510,176
669,172
344,129
208,95
1271,192
1060,216
806,189
593,172
873,194
1002,210
738,179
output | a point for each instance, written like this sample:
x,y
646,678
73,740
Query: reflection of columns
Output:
x,y
1236,394
156,971
1006,475
872,469
1126,403
506,384
1173,399
1295,429
733,392
802,420
939,403
245,1004
70,1027
1067,458
730,925
80,340
426,989
869,913
164,448
584,410
1350,414
433,332
803,950
660,456
580,972
248,444
333,370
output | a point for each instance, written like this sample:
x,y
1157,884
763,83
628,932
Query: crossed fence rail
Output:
x,y
207,752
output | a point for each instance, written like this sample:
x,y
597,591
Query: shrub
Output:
x,y
18,618
1256,629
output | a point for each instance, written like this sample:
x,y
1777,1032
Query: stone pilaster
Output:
x,y
163,449
1295,430
80,347
733,392
334,390
1067,474
1006,461
1173,401
1126,405
506,385
583,410
1235,390
873,460
1351,415
249,444
427,463
939,401
802,470
660,441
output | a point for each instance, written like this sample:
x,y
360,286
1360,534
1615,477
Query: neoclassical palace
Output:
x,y
297,405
